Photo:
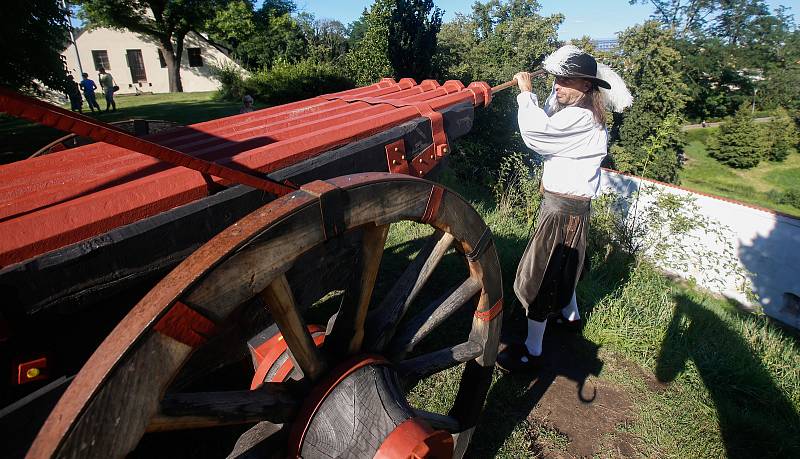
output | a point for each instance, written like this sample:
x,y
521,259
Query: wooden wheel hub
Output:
x,y
359,408
344,396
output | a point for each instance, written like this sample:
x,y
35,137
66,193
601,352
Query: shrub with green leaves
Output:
x,y
780,135
516,189
232,82
738,144
286,82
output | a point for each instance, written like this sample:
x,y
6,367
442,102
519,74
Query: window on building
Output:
x,y
195,59
100,57
161,59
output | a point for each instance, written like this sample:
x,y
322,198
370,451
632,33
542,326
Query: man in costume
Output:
x,y
569,132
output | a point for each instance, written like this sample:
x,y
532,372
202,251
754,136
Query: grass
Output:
x,y
703,173
20,139
706,379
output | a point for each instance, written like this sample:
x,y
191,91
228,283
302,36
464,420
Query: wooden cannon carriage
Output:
x,y
259,217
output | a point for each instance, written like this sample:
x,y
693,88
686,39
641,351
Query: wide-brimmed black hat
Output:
x,y
567,63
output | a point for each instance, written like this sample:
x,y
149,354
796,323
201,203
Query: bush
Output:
x,y
232,82
739,143
290,82
780,135
516,189
284,82
788,197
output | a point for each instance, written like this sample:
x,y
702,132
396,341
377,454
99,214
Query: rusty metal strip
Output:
x,y
432,207
49,115
186,325
490,313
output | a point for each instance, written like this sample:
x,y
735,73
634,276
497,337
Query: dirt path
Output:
x,y
689,127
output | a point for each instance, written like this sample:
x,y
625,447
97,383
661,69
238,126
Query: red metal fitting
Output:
x,y
412,81
415,439
268,353
453,86
483,88
429,84
32,370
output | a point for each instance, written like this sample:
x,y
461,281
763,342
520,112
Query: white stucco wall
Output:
x,y
117,42
766,243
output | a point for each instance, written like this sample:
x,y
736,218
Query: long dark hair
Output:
x,y
593,101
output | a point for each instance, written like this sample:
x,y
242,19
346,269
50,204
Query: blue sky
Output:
x,y
596,18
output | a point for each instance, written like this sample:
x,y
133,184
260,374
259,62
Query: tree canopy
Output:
x,y
35,34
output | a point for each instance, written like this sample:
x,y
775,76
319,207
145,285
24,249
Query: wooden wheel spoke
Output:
x,y
425,321
304,353
383,320
261,440
439,421
179,411
434,362
347,334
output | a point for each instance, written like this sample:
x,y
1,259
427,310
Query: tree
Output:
x,y
259,38
738,143
498,39
651,67
327,38
412,37
780,135
35,34
165,21
368,61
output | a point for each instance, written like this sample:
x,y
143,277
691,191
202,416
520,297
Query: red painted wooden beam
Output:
x,y
59,199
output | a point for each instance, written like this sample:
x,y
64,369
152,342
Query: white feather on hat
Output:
x,y
616,99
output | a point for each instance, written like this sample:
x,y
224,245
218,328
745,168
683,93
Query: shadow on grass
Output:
x,y
756,419
513,397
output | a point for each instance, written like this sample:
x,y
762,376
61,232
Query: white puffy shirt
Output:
x,y
571,142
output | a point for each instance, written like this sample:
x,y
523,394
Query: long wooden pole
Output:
x,y
513,82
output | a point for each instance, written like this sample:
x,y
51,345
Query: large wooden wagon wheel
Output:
x,y
345,399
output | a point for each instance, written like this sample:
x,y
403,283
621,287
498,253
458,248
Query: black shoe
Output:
x,y
516,358
572,326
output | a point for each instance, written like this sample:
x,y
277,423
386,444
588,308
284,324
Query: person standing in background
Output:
x,y
107,83
89,87
74,94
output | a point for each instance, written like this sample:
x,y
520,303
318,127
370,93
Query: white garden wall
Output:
x,y
766,243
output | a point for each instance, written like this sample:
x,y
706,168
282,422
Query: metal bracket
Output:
x,y
396,158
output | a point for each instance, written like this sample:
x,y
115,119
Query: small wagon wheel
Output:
x,y
122,391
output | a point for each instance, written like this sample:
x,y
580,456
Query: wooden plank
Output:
x,y
271,402
347,334
437,361
425,321
384,319
305,355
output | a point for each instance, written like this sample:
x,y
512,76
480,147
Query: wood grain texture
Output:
x,y
347,334
425,321
270,402
304,353
427,364
385,317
